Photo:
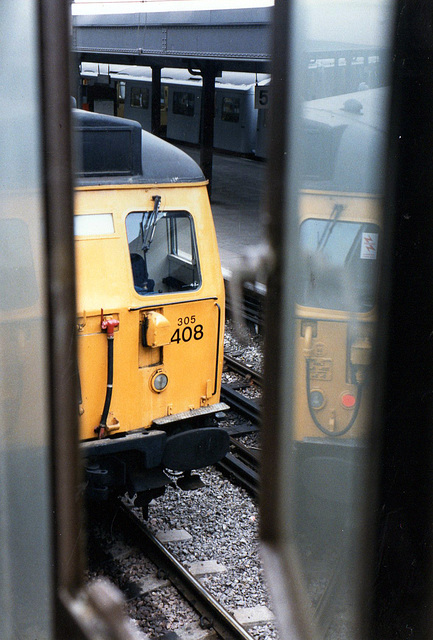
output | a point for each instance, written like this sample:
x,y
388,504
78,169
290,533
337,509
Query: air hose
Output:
x,y
108,326
328,432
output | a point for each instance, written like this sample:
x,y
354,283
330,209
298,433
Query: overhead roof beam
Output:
x,y
238,39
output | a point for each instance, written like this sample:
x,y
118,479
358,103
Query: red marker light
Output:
x,y
348,400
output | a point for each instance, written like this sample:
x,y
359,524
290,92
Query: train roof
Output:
x,y
344,136
170,75
111,150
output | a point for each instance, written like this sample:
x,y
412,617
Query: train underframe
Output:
x,y
143,463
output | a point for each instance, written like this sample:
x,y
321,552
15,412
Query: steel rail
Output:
x,y
246,454
239,367
238,402
244,474
190,588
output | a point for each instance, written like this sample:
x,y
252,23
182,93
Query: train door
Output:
x,y
348,288
235,118
137,106
183,115
229,119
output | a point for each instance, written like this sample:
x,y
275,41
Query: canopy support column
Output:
x,y
156,100
209,72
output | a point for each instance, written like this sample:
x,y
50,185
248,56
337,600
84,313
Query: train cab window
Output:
x,y
163,251
338,265
183,103
230,109
140,97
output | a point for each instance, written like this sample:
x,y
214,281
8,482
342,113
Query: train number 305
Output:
x,y
185,332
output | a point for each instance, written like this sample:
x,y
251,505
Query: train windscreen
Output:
x,y
163,252
338,265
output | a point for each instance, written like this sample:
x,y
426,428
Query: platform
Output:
x,y
237,201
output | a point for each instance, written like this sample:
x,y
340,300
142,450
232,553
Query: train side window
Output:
x,y
163,252
183,103
181,239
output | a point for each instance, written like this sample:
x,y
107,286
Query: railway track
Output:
x,y
252,304
231,392
212,614
238,366
214,618
247,407
243,465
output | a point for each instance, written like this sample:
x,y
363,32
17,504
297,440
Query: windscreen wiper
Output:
x,y
336,212
148,230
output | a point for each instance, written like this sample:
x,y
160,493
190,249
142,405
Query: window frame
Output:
x,y
172,243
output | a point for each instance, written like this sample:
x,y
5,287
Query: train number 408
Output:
x,y
188,333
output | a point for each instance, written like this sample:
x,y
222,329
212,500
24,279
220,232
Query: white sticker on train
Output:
x,y
369,246
99,224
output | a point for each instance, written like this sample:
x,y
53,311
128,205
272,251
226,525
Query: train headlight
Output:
x,y
348,400
317,399
159,381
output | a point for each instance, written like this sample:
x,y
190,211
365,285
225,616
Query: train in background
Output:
x,y
150,312
129,94
241,99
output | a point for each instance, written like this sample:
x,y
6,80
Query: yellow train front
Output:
x,y
150,312
339,242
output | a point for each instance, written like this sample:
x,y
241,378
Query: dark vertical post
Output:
x,y
207,122
58,191
156,100
403,576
